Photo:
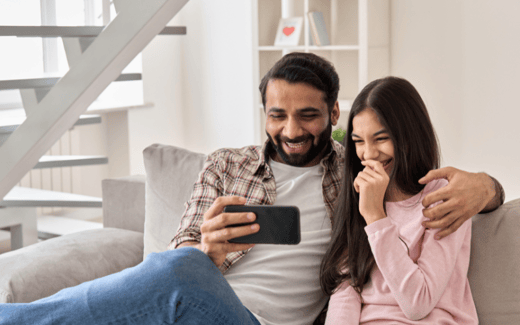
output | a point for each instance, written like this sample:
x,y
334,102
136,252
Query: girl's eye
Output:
x,y
382,139
357,141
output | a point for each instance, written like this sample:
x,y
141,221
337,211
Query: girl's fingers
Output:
x,y
375,166
369,171
356,186
359,181
364,176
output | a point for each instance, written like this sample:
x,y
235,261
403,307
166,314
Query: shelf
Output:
x,y
70,161
110,107
71,31
280,48
311,48
32,83
334,48
14,118
32,197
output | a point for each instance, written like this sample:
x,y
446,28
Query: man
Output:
x,y
228,283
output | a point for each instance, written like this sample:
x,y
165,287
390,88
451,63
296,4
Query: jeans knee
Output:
x,y
181,260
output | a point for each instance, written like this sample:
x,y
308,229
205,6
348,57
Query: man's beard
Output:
x,y
300,160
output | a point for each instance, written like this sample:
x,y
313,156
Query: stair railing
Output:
x,y
137,23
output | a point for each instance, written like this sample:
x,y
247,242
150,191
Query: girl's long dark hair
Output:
x,y
403,114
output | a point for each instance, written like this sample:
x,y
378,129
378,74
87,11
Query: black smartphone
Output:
x,y
278,224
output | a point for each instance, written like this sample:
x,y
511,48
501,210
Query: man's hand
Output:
x,y
215,235
466,195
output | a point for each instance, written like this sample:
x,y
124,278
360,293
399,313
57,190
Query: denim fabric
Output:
x,y
181,286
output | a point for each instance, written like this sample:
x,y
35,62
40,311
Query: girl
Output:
x,y
383,266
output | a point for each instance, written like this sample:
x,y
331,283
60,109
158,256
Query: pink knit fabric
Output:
x,y
417,280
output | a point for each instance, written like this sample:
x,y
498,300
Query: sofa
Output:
x,y
141,215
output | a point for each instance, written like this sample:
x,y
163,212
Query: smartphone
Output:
x,y
278,224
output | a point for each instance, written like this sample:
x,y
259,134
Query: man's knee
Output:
x,y
185,261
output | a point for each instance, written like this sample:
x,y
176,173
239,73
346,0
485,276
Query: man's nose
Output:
x,y
292,129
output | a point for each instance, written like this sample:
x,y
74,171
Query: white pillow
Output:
x,y
170,175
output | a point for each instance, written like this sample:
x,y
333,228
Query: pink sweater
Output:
x,y
417,280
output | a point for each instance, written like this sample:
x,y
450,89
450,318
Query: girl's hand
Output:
x,y
371,184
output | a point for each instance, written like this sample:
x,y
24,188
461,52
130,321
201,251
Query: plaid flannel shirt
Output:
x,y
245,172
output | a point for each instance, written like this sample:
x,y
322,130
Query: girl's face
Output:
x,y
372,140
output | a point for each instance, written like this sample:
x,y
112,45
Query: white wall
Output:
x,y
201,84
463,57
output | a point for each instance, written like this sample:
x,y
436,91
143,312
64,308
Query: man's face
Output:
x,y
298,123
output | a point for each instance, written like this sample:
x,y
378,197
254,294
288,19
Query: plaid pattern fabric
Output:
x,y
245,172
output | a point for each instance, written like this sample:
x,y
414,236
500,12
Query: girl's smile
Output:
x,y
372,140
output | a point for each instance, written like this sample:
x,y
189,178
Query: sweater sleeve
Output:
x,y
416,287
344,306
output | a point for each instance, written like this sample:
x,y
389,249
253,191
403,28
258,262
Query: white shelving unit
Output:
x,y
359,35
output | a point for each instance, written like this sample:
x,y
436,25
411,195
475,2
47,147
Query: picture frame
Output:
x,y
289,31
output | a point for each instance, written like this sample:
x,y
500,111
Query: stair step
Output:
x,y
51,226
71,31
70,161
9,122
32,197
46,82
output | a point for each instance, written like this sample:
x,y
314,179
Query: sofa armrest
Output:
x,y
42,269
495,265
123,202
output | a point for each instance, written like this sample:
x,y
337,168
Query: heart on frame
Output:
x,y
288,31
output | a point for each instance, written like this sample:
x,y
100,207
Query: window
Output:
x,y
23,58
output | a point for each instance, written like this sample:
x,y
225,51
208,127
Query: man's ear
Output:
x,y
334,115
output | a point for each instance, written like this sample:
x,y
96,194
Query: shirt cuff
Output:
x,y
179,240
378,226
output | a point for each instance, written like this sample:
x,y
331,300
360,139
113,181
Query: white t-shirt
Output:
x,y
279,284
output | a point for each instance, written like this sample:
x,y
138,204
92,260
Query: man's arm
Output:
x,y
498,199
465,195
203,224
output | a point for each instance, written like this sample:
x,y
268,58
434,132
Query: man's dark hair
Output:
x,y
307,68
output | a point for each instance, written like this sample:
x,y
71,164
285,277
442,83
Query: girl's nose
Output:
x,y
371,152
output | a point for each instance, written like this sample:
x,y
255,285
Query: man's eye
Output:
x,y
309,116
276,116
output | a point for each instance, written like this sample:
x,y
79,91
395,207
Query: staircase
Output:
x,y
54,104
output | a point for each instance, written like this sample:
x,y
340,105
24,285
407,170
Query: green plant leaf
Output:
x,y
338,134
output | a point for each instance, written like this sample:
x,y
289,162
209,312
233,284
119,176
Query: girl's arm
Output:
x,y
416,287
344,306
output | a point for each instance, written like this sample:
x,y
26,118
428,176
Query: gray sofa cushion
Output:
x,y
123,202
170,175
494,271
38,271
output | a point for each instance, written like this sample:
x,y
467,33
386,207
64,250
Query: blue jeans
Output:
x,y
182,286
